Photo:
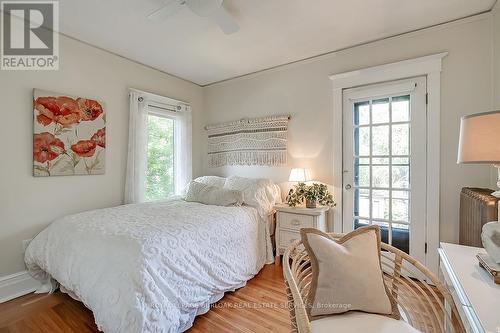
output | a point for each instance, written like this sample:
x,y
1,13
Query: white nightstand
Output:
x,y
289,221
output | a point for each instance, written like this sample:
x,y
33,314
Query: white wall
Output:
x,y
496,75
496,55
28,204
304,90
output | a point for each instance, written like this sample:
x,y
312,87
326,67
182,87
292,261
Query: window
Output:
x,y
159,155
160,182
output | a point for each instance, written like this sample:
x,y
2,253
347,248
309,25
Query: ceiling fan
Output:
x,y
204,8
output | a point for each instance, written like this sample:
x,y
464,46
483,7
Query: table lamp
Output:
x,y
480,143
480,140
299,175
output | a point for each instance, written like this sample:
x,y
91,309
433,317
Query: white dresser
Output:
x,y
291,219
476,296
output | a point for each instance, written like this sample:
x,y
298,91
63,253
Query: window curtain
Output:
x,y
135,182
183,167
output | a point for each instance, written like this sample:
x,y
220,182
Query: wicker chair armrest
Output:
x,y
296,306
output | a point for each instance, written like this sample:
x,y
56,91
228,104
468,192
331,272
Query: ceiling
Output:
x,y
272,32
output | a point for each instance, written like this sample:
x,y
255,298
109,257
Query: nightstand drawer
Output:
x,y
287,237
295,221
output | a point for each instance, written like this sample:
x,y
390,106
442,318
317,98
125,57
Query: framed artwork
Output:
x,y
69,135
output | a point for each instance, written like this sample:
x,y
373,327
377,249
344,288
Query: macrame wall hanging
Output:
x,y
256,141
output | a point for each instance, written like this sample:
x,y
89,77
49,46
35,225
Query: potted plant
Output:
x,y
311,194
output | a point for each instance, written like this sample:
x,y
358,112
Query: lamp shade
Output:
x,y
480,138
299,175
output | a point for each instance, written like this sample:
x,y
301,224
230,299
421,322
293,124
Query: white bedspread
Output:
x,y
151,267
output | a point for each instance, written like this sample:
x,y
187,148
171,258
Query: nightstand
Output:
x,y
289,221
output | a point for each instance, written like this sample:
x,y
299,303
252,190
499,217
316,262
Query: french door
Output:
x,y
384,162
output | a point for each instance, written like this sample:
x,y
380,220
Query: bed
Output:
x,y
152,267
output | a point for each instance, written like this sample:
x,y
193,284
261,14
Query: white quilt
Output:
x,y
151,267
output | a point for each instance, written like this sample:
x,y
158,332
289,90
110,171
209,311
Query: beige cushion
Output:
x,y
346,274
212,195
357,322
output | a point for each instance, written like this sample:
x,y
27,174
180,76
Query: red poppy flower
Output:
x,y
100,137
69,113
84,148
89,109
47,109
45,147
62,110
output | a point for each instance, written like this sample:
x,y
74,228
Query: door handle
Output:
x,y
348,187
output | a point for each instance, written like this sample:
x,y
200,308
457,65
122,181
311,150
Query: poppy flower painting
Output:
x,y
69,135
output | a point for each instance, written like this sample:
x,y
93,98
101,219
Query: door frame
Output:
x,y
416,88
429,66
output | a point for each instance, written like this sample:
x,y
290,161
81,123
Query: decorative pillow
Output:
x,y
347,274
211,195
211,180
257,192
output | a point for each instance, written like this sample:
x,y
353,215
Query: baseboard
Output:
x,y
16,285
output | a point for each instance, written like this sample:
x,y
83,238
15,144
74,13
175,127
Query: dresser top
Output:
x,y
476,285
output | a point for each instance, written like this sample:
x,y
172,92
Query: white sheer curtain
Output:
x,y
142,104
183,167
135,181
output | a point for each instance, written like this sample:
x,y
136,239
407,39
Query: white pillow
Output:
x,y
211,180
260,193
212,195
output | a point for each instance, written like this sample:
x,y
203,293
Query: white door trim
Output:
x,y
429,66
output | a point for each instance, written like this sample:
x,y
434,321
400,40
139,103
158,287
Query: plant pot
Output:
x,y
310,204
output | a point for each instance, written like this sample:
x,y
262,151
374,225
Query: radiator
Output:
x,y
477,207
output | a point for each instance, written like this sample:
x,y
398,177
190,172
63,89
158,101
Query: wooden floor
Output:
x,y
257,307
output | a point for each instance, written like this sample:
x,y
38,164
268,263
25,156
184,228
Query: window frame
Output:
x,y
143,104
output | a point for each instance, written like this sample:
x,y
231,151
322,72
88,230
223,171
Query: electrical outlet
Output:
x,y
25,244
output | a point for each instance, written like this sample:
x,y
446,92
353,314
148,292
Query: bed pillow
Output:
x,y
211,180
257,192
347,274
212,195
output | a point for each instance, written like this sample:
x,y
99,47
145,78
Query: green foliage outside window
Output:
x,y
160,165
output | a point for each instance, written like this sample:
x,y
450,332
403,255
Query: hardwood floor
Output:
x,y
257,307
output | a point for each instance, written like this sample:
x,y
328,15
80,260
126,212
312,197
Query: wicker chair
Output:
x,y
422,298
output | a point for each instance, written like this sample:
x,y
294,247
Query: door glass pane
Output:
x,y
380,160
384,231
401,108
380,204
401,176
401,237
380,140
362,141
401,139
160,158
400,206
362,203
380,111
361,223
382,174
362,172
362,113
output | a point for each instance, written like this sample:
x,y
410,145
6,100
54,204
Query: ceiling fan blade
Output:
x,y
204,8
170,9
225,21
